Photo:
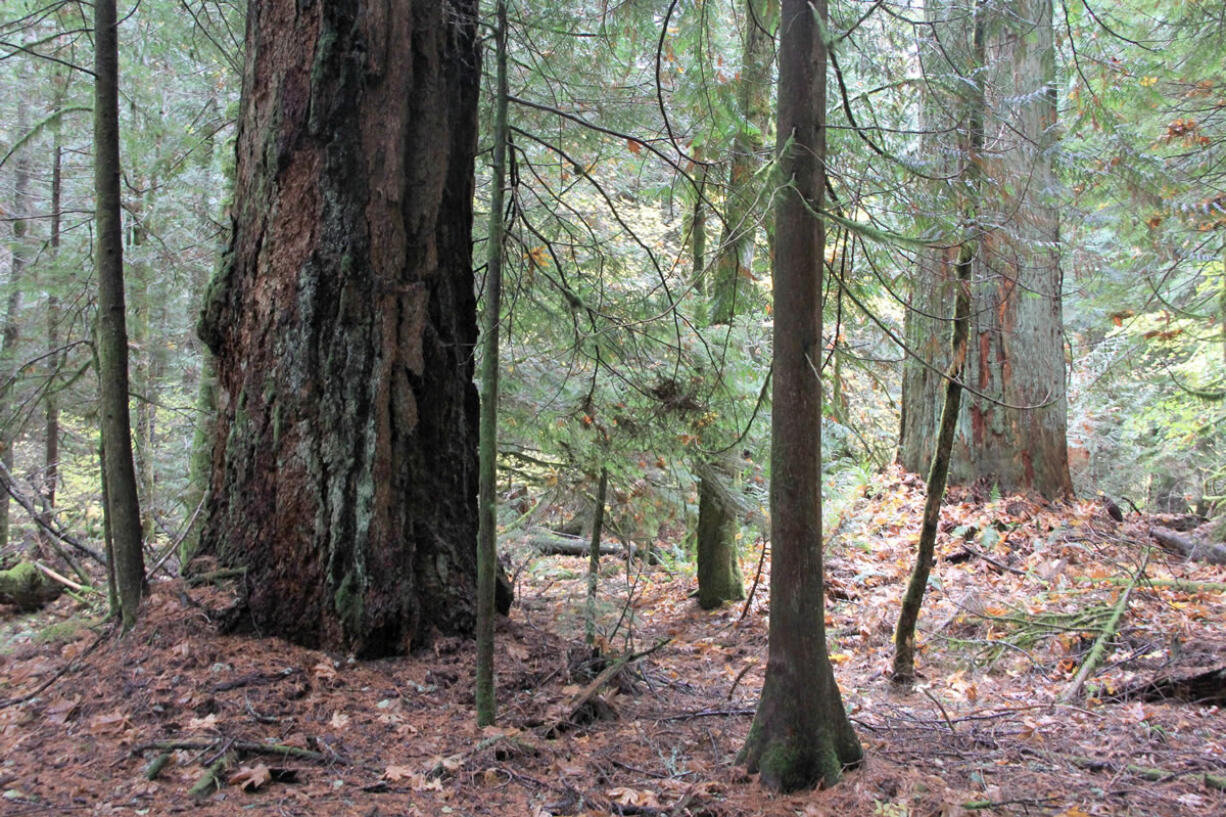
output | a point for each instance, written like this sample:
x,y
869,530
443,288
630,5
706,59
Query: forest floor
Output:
x,y
1021,590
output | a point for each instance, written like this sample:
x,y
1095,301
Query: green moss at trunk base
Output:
x,y
787,764
349,603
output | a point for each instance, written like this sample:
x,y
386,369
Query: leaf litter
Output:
x,y
1017,597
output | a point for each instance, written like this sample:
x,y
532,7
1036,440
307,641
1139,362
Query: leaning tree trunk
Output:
x,y
1015,437
801,736
345,469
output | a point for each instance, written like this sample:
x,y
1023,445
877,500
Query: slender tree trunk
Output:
x,y
904,634
51,415
968,202
719,575
487,501
206,399
344,322
593,562
1016,334
742,209
10,333
119,475
800,736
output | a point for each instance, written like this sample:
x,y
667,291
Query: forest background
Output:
x,y
637,315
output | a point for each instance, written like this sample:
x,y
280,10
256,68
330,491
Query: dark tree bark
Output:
x,y
1016,336
800,736
119,474
345,469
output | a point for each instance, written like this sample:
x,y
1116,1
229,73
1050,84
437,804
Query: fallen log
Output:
x,y
25,586
549,543
1189,548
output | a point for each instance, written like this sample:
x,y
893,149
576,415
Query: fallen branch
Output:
x,y
69,583
1213,781
556,544
1000,565
585,695
1214,554
1186,585
249,747
708,713
1099,650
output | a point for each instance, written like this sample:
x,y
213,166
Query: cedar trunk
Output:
x,y
345,454
800,736
1016,354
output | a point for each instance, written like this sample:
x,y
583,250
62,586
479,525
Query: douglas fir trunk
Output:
x,y
345,471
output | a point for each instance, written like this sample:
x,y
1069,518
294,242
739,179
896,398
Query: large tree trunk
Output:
x,y
1015,437
800,736
345,473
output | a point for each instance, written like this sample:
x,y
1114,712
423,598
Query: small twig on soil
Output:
x,y
1099,650
216,575
254,679
980,805
941,707
245,746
